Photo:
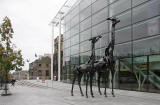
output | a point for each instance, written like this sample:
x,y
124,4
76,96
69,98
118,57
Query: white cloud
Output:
x,y
30,19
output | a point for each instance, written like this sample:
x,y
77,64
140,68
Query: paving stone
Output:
x,y
31,92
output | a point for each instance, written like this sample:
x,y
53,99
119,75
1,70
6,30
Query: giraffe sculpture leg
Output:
x,y
112,72
87,85
91,78
79,83
106,78
99,76
74,79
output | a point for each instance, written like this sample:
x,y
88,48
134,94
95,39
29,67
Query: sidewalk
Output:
x,y
61,85
31,92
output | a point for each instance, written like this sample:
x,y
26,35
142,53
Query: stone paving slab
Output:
x,y
61,85
59,94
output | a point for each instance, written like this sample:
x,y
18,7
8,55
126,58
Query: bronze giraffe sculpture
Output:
x,y
111,66
86,68
104,65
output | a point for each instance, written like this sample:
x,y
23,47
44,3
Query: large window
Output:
x,y
123,35
104,40
67,18
99,4
74,49
119,7
84,57
137,2
85,13
84,4
66,43
85,24
75,40
66,52
127,79
85,46
154,73
75,20
66,61
140,70
147,46
98,54
123,50
75,30
146,11
85,35
100,16
146,28
74,11
75,60
125,19
100,29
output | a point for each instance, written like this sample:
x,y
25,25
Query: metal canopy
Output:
x,y
63,10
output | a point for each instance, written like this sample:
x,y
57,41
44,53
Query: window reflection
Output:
x,y
140,70
75,49
85,46
125,19
84,4
123,35
85,13
75,60
154,73
66,43
74,11
75,30
100,29
119,7
146,28
123,50
75,21
84,57
85,24
85,35
98,54
146,11
75,40
100,16
99,4
147,46
127,79
137,2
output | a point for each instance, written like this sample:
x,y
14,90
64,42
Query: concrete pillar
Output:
x,y
59,51
52,51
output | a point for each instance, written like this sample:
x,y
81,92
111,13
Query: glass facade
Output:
x,y
137,44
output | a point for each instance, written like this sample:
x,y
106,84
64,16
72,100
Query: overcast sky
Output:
x,y
30,20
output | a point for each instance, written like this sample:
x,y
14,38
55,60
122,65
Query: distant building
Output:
x,y
45,55
20,75
40,68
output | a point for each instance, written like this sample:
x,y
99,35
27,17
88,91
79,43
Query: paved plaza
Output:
x,y
58,93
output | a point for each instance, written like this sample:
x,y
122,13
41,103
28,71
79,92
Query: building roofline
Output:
x,y
62,11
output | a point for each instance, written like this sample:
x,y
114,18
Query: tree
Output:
x,y
10,57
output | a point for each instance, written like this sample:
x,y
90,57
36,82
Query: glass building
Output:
x,y
137,40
